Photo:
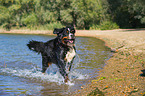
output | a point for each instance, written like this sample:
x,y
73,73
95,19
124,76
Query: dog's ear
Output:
x,y
57,31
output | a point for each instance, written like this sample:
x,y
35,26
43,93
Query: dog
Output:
x,y
60,50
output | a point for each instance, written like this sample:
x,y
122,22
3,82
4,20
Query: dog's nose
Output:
x,y
71,36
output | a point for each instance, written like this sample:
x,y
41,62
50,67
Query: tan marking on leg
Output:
x,y
49,64
66,79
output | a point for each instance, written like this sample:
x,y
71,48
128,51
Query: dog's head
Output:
x,y
66,35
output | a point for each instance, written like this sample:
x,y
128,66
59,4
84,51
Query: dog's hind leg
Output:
x,y
45,64
49,64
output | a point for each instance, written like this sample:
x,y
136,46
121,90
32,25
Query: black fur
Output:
x,y
36,46
55,51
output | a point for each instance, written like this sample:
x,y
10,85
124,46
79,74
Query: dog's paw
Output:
x,y
69,83
66,79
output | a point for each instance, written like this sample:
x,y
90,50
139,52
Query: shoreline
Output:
x,y
122,73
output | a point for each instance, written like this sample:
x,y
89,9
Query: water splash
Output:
x,y
37,75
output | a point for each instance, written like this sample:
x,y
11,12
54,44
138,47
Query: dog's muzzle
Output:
x,y
70,39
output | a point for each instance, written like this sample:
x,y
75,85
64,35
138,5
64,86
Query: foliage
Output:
x,y
49,26
127,13
106,25
83,14
30,20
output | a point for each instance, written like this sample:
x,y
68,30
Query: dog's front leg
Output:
x,y
61,65
70,65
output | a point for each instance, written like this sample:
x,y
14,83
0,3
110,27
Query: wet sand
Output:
x,y
122,74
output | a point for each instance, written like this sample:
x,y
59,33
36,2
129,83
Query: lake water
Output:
x,y
20,68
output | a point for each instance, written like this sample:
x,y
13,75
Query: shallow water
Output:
x,y
20,68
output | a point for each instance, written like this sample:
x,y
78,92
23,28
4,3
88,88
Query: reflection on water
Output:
x,y
20,68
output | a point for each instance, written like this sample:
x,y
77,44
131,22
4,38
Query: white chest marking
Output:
x,y
70,55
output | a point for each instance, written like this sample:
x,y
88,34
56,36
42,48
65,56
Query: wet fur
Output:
x,y
60,50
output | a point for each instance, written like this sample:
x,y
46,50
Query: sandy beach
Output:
x,y
122,74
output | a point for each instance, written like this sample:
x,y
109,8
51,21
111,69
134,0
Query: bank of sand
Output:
x,y
122,74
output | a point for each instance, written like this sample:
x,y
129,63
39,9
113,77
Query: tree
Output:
x,y
85,13
138,9
127,13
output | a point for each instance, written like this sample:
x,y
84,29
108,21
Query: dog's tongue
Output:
x,y
71,41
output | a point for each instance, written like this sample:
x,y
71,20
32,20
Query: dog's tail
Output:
x,y
36,46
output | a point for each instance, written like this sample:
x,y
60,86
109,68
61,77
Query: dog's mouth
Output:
x,y
71,41
66,40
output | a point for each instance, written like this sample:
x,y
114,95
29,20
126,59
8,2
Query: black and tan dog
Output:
x,y
60,51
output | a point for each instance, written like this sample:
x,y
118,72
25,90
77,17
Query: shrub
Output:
x,y
30,21
50,26
106,25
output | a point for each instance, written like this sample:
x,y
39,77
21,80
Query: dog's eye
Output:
x,y
72,31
